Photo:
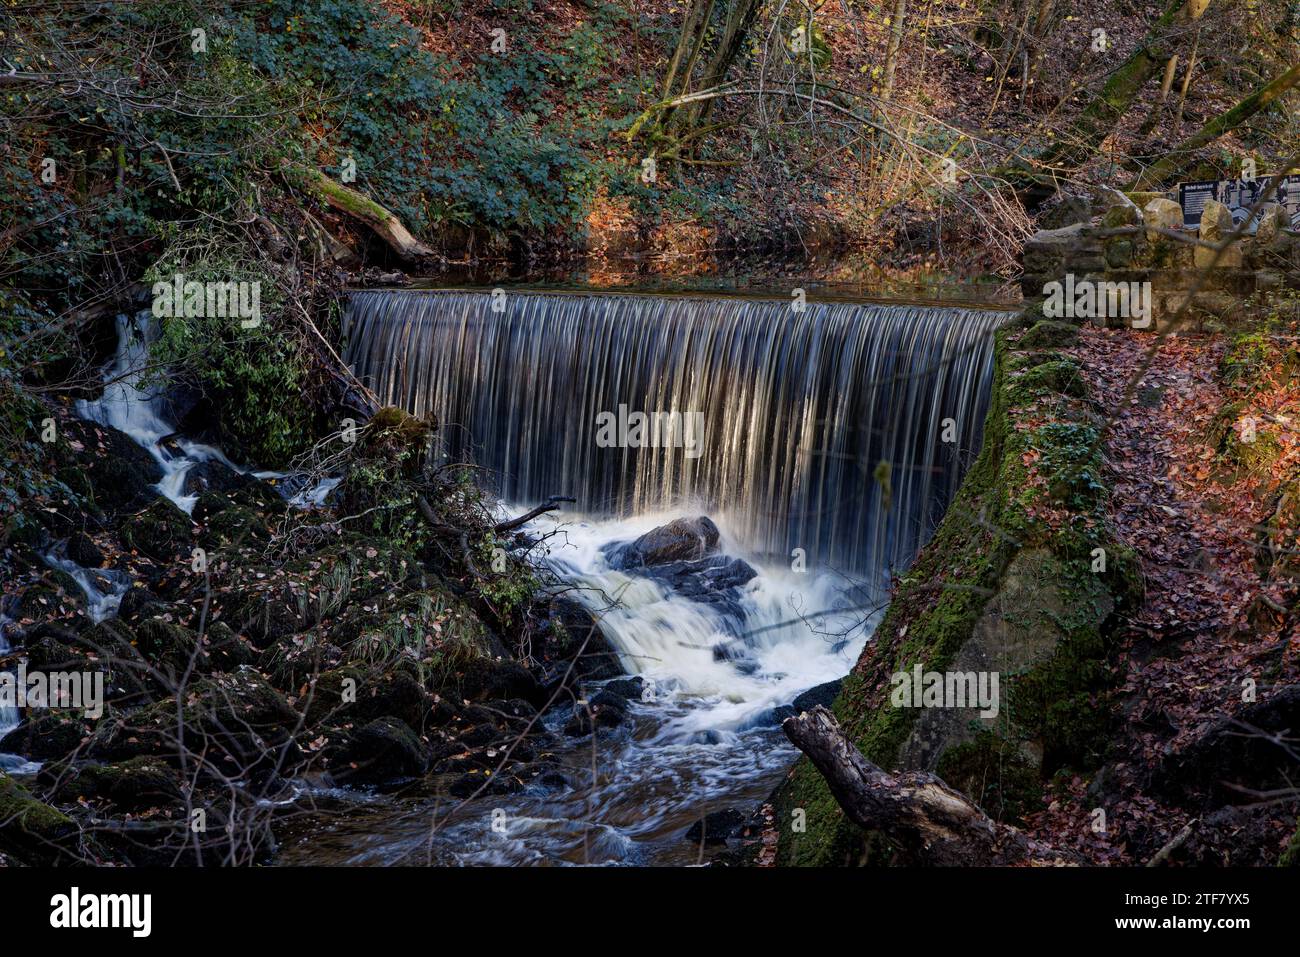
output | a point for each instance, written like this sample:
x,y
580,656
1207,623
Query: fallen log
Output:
x,y
929,822
550,505
383,222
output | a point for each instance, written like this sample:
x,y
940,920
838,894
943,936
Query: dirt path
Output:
x,y
1184,654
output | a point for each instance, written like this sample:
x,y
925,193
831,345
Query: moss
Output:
x,y
996,580
1049,334
30,831
1291,856
995,774
162,531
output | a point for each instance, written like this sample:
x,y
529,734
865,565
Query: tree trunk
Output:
x,y
386,225
1110,103
1180,157
896,28
928,821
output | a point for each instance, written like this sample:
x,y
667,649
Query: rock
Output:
x,y
1048,334
84,552
604,710
239,722
121,473
46,736
1216,226
571,635
1273,219
1202,774
383,750
213,476
715,581
1161,214
32,832
823,694
139,603
681,540
717,827
162,531
628,688
133,785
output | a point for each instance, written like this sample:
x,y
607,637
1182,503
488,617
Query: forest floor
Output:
x,y
1205,639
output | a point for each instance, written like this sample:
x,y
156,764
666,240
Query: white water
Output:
x,y
103,587
707,740
9,716
669,639
131,406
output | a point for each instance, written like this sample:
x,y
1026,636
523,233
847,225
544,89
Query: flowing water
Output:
x,y
783,422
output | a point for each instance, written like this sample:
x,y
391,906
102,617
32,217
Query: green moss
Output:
x,y
30,831
1051,613
1049,334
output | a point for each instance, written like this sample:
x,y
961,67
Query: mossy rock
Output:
x,y
33,832
120,472
238,721
998,589
162,531
48,735
1049,334
133,785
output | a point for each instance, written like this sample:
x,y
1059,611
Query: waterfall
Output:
x,y
794,410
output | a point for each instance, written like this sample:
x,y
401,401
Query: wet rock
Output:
x,y
384,750
47,736
681,540
629,688
162,531
213,476
132,785
84,552
717,828
714,581
121,473
571,636
603,711
34,833
823,694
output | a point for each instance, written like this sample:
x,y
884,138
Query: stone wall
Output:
x,y
1129,244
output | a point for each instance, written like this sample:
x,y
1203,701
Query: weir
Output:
x,y
797,409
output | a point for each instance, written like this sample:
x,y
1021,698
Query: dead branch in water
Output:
x,y
927,820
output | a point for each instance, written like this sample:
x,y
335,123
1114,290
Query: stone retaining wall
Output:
x,y
1148,244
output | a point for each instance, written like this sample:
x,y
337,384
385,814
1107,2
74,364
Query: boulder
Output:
x,y
133,785
213,476
682,539
84,552
717,827
384,750
32,832
1161,214
627,688
823,694
1216,226
162,531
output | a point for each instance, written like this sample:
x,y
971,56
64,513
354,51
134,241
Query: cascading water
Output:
x,y
798,411
10,717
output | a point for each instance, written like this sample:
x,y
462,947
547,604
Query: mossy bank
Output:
x,y
1023,579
